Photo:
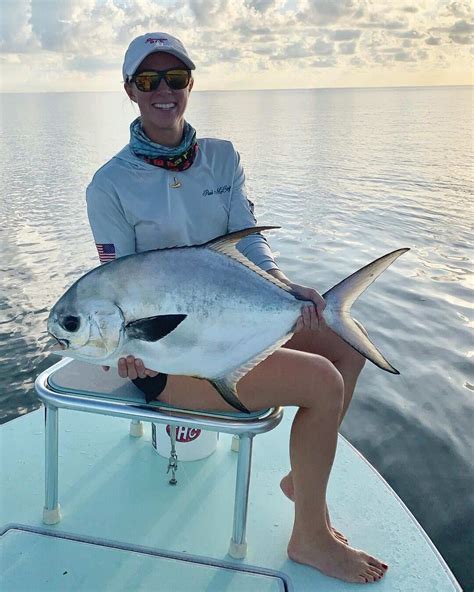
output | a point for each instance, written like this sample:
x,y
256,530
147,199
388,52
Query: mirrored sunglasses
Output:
x,y
175,78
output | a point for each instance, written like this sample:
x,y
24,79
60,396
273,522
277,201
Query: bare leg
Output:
x,y
313,384
329,345
286,485
347,361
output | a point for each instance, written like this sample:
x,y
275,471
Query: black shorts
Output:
x,y
152,386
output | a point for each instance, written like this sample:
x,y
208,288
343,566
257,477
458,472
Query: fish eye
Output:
x,y
70,323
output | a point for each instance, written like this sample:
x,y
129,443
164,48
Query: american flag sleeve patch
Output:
x,y
106,252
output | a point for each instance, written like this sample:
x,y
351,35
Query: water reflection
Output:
x,y
349,175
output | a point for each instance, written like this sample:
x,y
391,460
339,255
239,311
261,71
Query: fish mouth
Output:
x,y
61,344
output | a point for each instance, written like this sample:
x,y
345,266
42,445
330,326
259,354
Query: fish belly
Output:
x,y
214,351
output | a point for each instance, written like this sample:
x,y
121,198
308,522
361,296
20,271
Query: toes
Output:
x,y
377,573
376,563
374,570
367,578
340,537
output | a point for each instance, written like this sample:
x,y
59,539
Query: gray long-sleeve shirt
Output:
x,y
134,206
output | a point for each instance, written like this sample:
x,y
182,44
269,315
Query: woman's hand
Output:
x,y
132,368
311,314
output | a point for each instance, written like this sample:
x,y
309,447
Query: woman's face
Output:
x,y
162,110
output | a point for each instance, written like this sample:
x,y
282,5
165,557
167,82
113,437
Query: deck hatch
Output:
x,y
35,558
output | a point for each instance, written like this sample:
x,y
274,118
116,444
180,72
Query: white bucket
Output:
x,y
191,443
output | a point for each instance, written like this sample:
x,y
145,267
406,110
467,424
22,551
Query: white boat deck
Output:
x,y
157,537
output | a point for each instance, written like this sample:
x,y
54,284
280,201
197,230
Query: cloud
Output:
x,y
357,62
10,58
215,13
324,12
387,25
91,64
433,40
461,39
324,63
323,48
16,33
461,32
260,5
459,9
345,34
89,37
403,56
297,50
347,48
408,34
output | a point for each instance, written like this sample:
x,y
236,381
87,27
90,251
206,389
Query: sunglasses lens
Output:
x,y
147,81
177,79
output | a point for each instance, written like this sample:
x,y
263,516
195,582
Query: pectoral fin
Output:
x,y
226,388
153,328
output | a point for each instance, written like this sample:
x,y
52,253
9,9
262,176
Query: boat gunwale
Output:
x,y
407,511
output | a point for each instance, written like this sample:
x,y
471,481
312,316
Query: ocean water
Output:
x,y
349,175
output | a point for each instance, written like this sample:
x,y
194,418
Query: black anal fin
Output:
x,y
153,328
226,389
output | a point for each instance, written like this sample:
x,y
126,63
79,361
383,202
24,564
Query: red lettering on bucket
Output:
x,y
183,434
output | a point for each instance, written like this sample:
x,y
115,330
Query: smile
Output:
x,y
165,106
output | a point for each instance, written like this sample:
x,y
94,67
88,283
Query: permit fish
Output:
x,y
204,311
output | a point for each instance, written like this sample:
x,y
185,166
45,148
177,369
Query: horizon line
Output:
x,y
37,92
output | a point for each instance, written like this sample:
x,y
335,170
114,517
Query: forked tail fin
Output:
x,y
339,300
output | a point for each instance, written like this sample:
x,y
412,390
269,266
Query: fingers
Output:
x,y
122,368
139,368
299,325
311,314
133,368
128,368
319,304
311,318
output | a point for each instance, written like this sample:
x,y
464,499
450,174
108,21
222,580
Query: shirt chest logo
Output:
x,y
217,191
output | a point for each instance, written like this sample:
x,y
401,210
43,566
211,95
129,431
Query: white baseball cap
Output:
x,y
149,43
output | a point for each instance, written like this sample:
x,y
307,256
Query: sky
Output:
x,y
78,45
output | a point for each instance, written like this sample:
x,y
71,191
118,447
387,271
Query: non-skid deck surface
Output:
x,y
115,487
44,562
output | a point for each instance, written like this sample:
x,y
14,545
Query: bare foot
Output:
x,y
286,485
335,559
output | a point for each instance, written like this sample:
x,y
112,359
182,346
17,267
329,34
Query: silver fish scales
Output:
x,y
203,311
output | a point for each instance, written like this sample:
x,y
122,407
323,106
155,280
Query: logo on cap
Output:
x,y
156,40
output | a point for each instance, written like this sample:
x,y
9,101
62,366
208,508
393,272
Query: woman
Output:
x,y
166,189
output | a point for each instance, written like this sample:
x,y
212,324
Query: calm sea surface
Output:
x,y
349,175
